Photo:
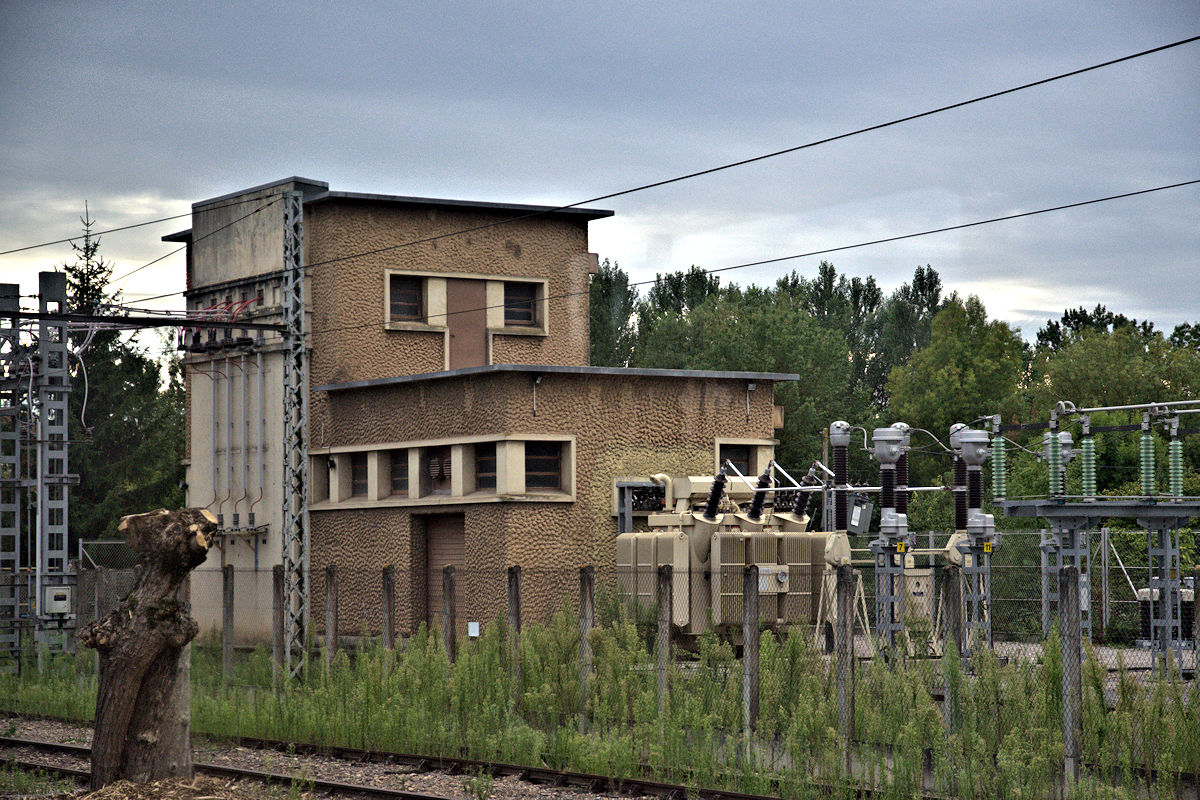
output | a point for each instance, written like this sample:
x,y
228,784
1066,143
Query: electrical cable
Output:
x,y
123,228
825,251
752,159
267,204
83,407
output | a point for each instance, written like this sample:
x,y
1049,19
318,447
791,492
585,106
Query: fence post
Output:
x,y
587,616
227,621
952,603
514,629
277,616
1045,562
1196,638
662,641
1072,691
449,613
1105,600
750,650
388,631
331,608
844,647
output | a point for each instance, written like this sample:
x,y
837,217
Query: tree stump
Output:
x,y
142,702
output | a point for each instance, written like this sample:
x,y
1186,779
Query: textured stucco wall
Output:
x,y
623,426
350,293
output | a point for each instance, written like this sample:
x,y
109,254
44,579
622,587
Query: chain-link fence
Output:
x,y
1022,675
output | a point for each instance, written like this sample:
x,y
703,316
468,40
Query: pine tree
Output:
x,y
127,427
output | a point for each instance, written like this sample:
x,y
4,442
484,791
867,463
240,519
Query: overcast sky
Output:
x,y
141,109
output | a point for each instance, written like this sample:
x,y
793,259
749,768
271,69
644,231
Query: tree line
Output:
x,y
916,354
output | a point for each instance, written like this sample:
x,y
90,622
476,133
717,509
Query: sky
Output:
x,y
140,109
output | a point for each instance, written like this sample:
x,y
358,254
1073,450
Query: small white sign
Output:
x,y
473,630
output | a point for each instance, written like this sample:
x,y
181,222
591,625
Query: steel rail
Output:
x,y
215,770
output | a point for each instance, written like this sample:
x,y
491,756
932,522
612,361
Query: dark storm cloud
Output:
x,y
141,111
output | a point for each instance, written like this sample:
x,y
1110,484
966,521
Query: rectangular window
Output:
x,y
485,466
399,472
543,465
739,454
358,474
520,303
436,463
406,298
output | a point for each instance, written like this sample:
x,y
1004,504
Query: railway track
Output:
x,y
213,770
537,775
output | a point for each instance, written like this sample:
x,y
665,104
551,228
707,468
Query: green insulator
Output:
x,y
1175,466
1147,463
999,467
1088,453
1054,462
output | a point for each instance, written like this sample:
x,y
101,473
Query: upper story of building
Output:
x,y
401,285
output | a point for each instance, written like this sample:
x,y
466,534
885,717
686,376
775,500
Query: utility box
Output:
x,y
56,600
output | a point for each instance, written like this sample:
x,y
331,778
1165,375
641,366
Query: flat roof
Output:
x,y
552,369
477,205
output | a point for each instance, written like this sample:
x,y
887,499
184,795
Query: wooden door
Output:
x,y
444,547
466,317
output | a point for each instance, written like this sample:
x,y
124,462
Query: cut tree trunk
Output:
x,y
143,698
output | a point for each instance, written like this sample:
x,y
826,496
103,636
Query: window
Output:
x,y
437,470
543,465
406,298
485,466
358,474
520,304
399,471
739,454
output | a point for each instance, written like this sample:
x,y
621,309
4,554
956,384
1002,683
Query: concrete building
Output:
x,y
452,417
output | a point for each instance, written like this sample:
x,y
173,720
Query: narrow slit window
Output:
x,y
543,465
358,474
406,299
520,304
485,466
399,472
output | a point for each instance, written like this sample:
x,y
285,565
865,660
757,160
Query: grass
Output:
x,y
998,735
17,781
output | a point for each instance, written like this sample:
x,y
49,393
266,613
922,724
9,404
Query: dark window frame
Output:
x,y
521,312
359,475
398,478
439,485
406,298
543,465
745,465
485,466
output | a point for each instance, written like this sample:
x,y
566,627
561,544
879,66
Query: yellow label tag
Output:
x,y
987,547
900,547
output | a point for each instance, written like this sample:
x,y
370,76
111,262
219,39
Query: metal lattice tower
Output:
x,y
295,446
53,382
10,470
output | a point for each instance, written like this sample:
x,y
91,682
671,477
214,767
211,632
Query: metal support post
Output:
x,y
53,382
1166,626
449,613
295,432
10,471
514,629
952,607
844,646
1072,653
662,641
750,641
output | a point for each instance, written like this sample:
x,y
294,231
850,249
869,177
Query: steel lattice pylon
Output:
x,y
295,446
10,470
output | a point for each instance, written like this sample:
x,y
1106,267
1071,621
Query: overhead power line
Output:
x,y
745,161
754,159
274,199
122,228
841,248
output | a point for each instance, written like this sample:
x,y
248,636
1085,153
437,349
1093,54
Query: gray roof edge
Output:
x,y
262,187
552,369
586,213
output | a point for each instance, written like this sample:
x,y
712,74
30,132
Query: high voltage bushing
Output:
x,y
1054,460
1175,465
999,468
1088,467
1147,462
902,468
839,440
960,477
714,495
760,497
